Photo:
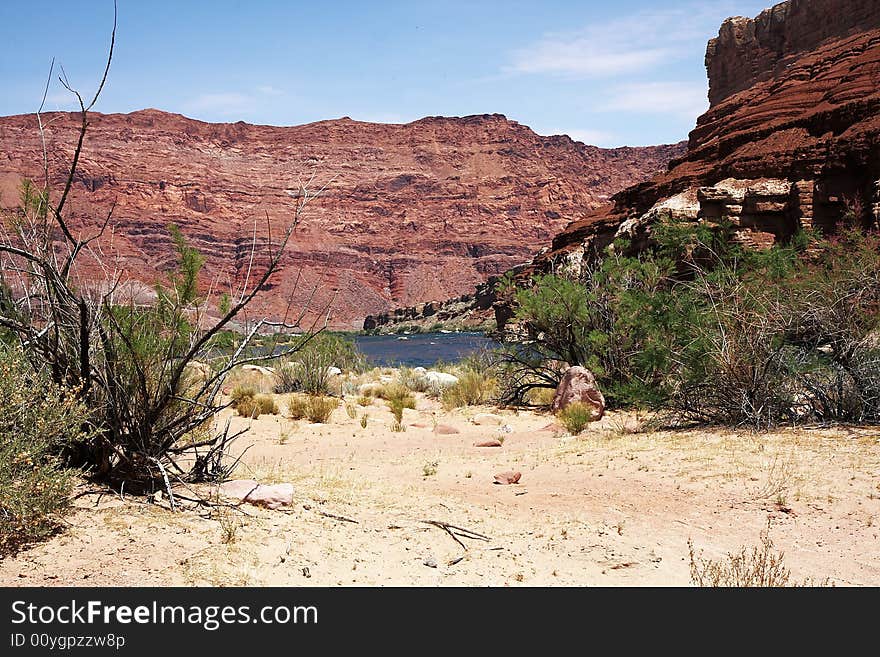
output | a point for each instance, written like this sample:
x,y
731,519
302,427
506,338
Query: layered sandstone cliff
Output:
x,y
407,213
791,140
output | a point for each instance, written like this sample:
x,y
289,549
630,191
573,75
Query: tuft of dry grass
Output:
x,y
759,566
320,409
473,389
256,405
541,396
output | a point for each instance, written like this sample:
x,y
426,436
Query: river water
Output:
x,y
420,349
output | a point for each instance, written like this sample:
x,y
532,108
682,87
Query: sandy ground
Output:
x,y
608,507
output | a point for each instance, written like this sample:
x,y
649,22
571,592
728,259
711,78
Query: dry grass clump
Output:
x,y
473,389
576,416
398,393
297,407
760,566
319,409
540,396
247,403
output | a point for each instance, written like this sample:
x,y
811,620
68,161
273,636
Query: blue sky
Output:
x,y
627,72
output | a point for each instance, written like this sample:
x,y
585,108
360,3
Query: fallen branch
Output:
x,y
461,531
335,517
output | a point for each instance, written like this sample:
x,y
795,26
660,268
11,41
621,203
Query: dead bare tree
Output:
x,y
138,367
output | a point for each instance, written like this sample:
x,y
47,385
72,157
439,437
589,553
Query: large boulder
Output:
x,y
439,380
579,385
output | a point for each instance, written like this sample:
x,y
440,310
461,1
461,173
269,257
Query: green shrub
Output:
x,y
37,419
576,416
319,409
309,373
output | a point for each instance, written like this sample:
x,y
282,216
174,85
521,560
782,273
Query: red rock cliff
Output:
x,y
750,50
792,137
410,212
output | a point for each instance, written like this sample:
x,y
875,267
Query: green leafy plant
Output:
x,y
576,416
38,420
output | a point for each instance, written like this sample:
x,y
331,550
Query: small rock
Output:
x,y
419,425
445,429
487,418
509,477
430,562
488,443
269,495
306,573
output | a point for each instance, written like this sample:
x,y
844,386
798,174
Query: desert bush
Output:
x,y
297,407
576,416
472,389
37,420
319,409
310,372
760,566
126,361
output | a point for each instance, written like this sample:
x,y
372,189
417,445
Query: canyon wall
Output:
x,y
406,213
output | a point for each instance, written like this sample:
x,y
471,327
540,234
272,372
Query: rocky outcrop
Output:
x,y
750,50
792,138
407,213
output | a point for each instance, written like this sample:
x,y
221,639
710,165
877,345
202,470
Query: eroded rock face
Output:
x,y
792,138
408,213
750,50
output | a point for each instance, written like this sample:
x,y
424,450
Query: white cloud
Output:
x,y
228,103
584,57
684,99
632,44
